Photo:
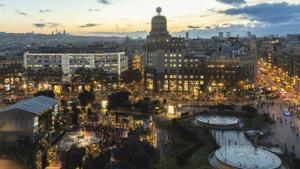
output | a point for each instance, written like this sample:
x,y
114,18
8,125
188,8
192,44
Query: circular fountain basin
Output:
x,y
217,121
245,157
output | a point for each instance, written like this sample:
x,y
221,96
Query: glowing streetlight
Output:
x,y
104,104
171,109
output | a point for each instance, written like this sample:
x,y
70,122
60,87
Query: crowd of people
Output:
x,y
108,135
282,121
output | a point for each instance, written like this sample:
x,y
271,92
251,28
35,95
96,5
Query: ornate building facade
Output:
x,y
172,65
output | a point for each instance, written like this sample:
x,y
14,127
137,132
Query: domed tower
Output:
x,y
159,25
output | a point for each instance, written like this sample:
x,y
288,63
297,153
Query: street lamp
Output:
x,y
171,109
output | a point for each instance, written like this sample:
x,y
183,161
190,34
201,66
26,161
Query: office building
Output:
x,y
113,63
174,66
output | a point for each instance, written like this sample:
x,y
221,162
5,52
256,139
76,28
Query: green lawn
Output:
x,y
198,160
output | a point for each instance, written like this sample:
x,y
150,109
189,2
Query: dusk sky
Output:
x,y
200,17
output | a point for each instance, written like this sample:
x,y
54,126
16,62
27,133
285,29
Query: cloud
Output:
x,y
208,27
88,25
44,10
44,24
39,25
21,13
104,1
193,27
94,10
233,2
2,5
268,13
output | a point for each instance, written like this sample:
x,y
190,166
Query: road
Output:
x,y
265,78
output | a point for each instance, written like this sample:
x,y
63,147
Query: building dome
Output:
x,y
159,24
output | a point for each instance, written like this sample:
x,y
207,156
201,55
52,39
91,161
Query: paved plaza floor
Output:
x,y
285,130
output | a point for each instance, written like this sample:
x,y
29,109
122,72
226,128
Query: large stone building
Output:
x,y
282,53
178,65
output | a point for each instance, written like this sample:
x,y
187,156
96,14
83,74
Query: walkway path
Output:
x,y
286,130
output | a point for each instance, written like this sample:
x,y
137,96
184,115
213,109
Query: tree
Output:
x,y
155,103
75,115
99,75
88,76
134,154
73,158
102,161
144,105
130,76
64,103
47,93
86,97
83,74
119,99
45,75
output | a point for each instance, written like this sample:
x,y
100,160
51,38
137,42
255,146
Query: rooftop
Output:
x,y
75,50
35,105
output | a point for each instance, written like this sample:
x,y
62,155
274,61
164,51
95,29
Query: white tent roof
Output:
x,y
36,105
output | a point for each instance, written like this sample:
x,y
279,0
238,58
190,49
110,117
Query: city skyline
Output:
x,y
197,84
131,17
